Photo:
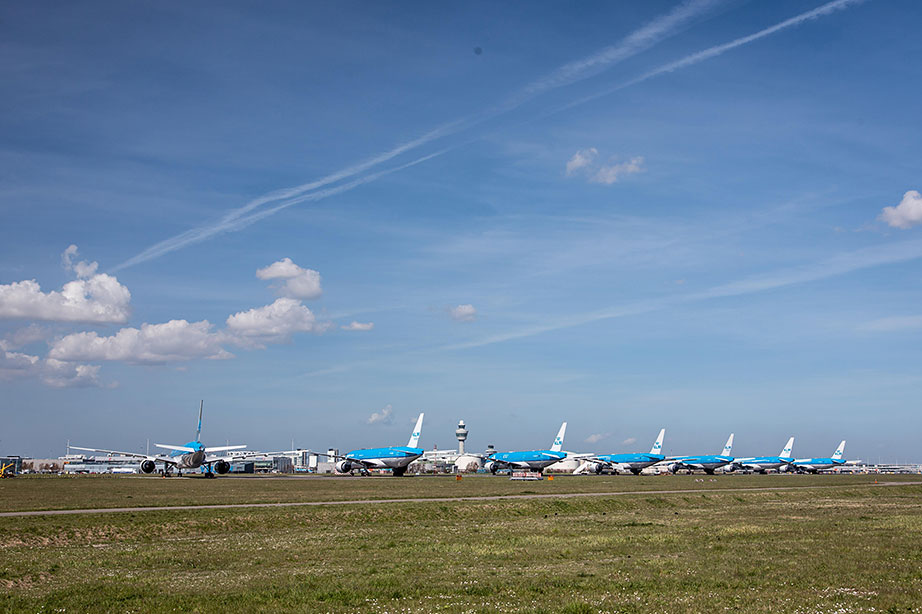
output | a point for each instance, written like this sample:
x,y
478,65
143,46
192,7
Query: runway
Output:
x,y
231,506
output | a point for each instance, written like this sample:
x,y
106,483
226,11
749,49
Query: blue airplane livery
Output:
x,y
625,463
760,464
190,456
395,458
534,460
812,465
707,463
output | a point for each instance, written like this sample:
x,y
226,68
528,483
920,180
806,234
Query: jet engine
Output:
x,y
491,467
221,467
148,466
344,466
674,467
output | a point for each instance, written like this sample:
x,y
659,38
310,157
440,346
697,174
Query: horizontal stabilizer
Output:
x,y
177,448
224,448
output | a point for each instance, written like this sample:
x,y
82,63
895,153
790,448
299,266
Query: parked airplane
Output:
x,y
395,458
812,465
761,464
707,463
190,456
534,460
621,463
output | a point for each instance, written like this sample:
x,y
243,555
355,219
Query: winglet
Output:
x,y
558,441
729,447
198,431
786,451
414,437
839,451
658,444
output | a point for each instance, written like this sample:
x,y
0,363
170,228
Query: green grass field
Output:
x,y
833,544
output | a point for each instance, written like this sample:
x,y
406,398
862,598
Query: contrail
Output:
x,y
839,264
712,52
231,223
638,41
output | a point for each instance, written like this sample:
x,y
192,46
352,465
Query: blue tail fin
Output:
x,y
729,447
658,444
198,431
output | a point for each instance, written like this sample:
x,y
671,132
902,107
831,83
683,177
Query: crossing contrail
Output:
x,y
641,39
636,42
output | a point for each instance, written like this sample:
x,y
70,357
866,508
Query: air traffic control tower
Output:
x,y
461,434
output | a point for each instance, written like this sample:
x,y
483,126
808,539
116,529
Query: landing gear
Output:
x,y
399,471
635,471
709,471
210,475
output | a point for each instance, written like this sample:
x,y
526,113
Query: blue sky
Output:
x,y
627,216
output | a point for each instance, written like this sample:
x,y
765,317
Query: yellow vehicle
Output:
x,y
7,471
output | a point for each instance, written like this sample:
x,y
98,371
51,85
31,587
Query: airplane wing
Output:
x,y
156,458
364,462
213,458
584,468
111,452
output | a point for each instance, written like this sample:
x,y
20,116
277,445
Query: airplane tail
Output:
x,y
198,431
414,438
839,451
788,448
729,447
558,441
658,444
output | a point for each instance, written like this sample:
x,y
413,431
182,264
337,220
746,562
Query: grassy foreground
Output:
x,y
70,492
850,548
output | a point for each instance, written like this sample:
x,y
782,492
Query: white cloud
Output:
x,y
97,299
299,282
180,340
612,173
272,323
597,437
82,269
361,326
629,441
24,336
68,375
14,365
463,313
906,214
173,341
584,163
895,323
382,417
580,159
